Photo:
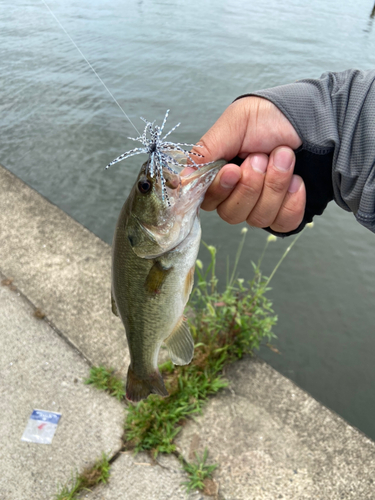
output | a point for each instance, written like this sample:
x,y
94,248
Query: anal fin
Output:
x,y
180,344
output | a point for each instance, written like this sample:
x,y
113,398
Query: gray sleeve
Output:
x,y
337,113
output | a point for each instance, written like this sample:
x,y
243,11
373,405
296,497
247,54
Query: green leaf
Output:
x,y
211,309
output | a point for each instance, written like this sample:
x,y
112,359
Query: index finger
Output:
x,y
222,186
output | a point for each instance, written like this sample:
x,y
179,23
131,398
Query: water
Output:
x,y
59,128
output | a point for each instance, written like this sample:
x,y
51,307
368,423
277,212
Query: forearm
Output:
x,y
335,119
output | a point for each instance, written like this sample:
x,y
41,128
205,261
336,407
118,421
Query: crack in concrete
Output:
x,y
7,281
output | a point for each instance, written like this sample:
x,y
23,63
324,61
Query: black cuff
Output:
x,y
316,172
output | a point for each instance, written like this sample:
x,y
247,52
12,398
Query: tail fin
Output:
x,y
137,389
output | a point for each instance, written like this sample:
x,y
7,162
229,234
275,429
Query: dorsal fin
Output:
x,y
180,343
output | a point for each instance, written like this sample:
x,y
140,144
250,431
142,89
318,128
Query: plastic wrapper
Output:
x,y
41,427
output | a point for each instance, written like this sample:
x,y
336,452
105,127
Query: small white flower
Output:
x,y
310,224
271,237
244,230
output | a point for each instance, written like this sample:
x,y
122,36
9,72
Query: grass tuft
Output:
x,y
89,478
198,472
152,424
106,380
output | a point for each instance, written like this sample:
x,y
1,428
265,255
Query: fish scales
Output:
x,y
146,307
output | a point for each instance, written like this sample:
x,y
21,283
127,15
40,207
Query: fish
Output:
x,y
155,246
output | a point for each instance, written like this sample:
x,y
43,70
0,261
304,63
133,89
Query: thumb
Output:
x,y
224,139
249,125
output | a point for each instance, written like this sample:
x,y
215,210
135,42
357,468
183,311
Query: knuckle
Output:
x,y
257,220
228,215
277,185
289,218
249,190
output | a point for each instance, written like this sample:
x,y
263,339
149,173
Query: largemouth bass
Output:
x,y
155,247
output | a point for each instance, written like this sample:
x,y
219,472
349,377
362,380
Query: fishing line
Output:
x,y
95,73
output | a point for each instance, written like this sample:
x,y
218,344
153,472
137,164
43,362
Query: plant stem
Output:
x,y
282,258
238,255
262,255
213,278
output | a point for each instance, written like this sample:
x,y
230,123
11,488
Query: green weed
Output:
x,y
198,472
89,477
152,425
106,380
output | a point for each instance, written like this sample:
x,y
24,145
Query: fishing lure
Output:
x,y
157,149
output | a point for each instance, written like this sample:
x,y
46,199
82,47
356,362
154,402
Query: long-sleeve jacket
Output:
x,y
335,119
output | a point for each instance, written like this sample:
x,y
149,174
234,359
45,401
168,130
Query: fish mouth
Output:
x,y
198,181
199,172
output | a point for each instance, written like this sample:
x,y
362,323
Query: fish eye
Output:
x,y
144,186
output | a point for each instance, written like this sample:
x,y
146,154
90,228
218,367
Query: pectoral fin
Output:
x,y
114,307
156,278
180,344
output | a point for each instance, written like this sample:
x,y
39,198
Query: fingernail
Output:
x,y
259,163
295,184
228,180
283,159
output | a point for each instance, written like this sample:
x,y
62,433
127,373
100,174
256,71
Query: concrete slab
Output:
x,y
38,370
272,440
63,269
137,477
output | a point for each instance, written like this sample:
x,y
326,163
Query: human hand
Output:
x,y
263,191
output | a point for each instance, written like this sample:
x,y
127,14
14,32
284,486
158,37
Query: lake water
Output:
x,y
59,128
